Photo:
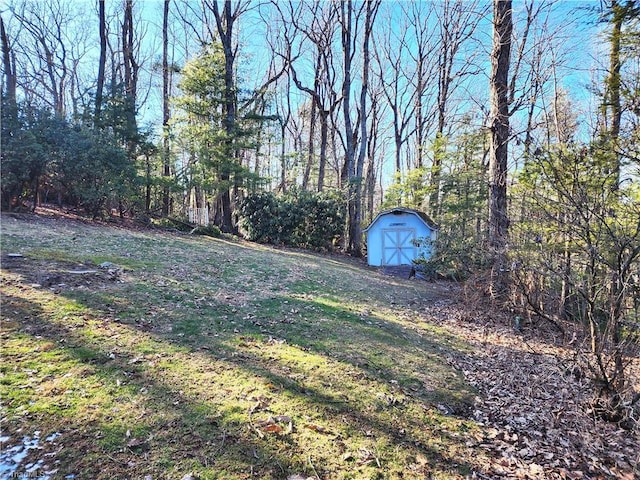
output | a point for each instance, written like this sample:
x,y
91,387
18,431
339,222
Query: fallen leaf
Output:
x,y
272,428
268,426
285,419
261,403
367,457
536,469
316,428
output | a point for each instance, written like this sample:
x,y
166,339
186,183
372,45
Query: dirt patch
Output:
x,y
48,215
402,271
60,275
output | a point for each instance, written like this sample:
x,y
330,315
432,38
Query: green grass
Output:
x,y
178,365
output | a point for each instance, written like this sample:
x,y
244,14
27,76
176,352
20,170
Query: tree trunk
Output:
x,y
346,87
131,68
354,165
370,175
397,137
101,62
310,151
419,108
283,158
56,93
445,60
612,107
166,161
371,9
498,215
436,168
346,14
324,138
224,24
147,193
9,70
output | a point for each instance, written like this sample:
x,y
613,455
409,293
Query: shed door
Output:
x,y
397,246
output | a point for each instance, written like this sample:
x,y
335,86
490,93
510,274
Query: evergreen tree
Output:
x,y
212,166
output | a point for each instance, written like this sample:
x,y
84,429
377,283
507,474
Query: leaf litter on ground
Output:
x,y
535,411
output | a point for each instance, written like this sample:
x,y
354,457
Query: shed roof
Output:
x,y
421,215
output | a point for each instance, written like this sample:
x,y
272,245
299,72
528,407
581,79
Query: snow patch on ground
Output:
x,y
12,458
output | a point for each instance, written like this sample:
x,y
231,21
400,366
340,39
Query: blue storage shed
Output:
x,y
392,233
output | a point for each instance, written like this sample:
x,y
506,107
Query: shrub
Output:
x,y
298,218
209,231
45,154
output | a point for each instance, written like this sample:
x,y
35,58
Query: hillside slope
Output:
x,y
145,354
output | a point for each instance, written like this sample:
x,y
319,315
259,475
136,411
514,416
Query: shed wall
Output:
x,y
389,239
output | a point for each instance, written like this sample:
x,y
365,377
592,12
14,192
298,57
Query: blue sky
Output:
x,y
582,49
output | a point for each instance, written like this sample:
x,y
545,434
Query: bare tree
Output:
x,y
284,120
102,29
498,156
374,145
303,24
8,63
166,87
369,19
348,47
348,40
278,38
131,69
353,166
44,50
457,22
535,62
391,51
424,50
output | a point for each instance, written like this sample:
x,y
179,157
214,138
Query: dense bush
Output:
x,y
298,218
97,171
47,158
24,154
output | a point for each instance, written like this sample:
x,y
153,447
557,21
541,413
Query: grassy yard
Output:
x,y
170,355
